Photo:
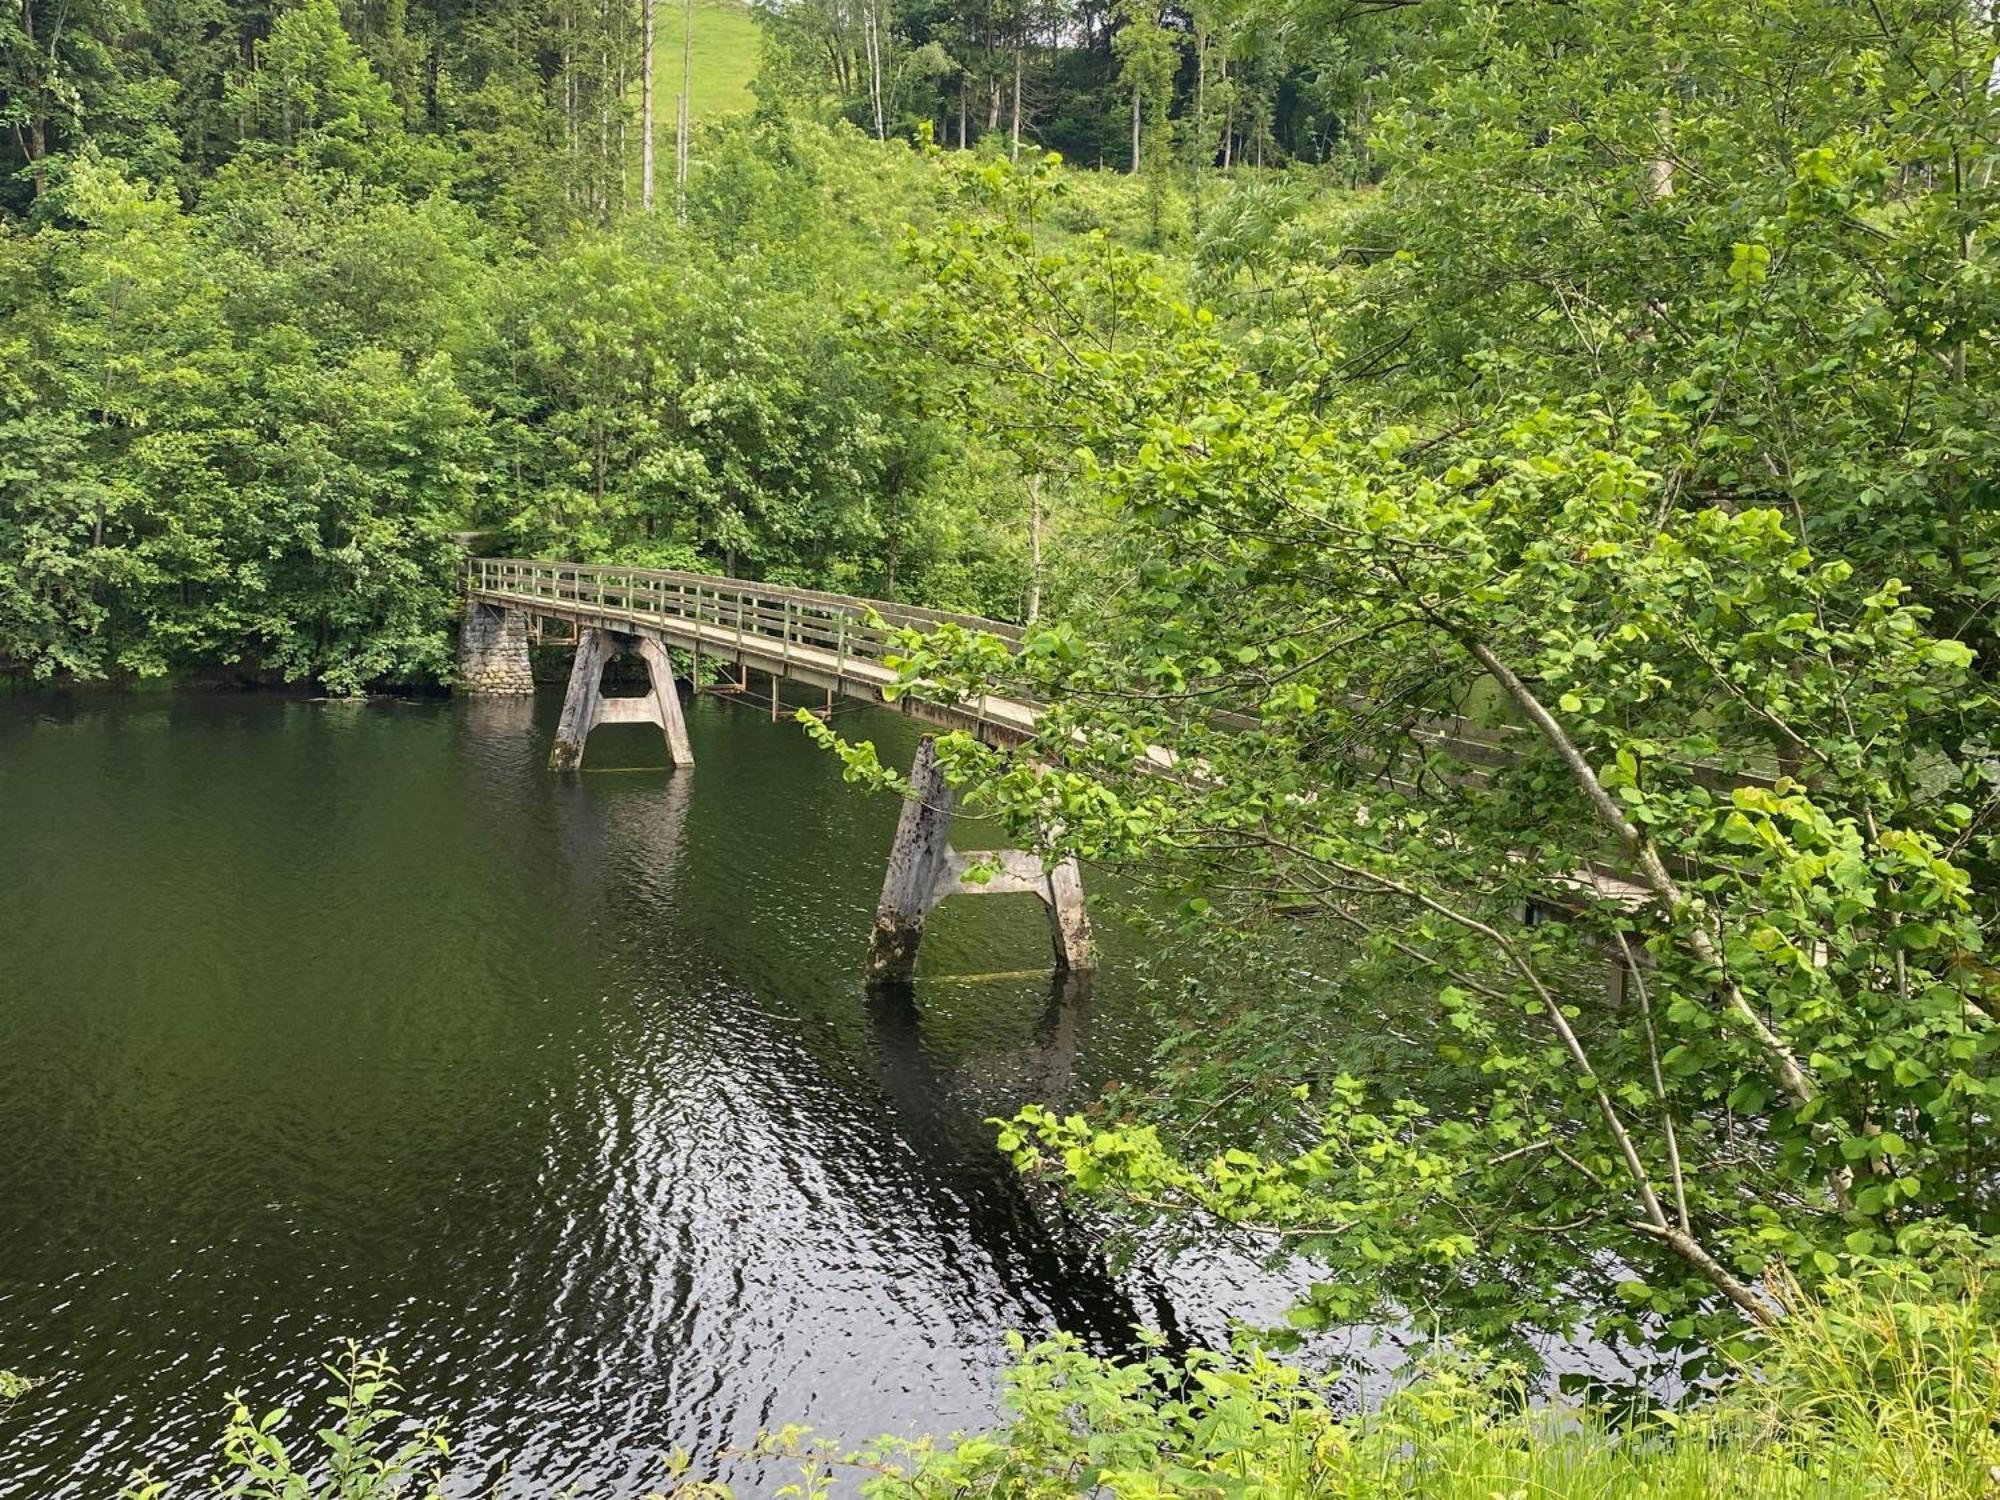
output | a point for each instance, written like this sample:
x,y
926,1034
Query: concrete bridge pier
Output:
x,y
585,705
924,869
493,651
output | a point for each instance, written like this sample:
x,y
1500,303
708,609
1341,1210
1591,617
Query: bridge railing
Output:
x,y
846,627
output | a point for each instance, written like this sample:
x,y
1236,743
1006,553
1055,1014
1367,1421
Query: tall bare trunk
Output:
x,y
1201,100
572,136
871,24
1228,114
35,146
601,193
614,162
1660,170
1014,150
1135,128
684,110
961,113
646,103
1034,548
1988,15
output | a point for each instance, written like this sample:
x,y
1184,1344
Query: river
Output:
x,y
324,1020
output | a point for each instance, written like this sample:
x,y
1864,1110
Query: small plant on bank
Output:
x,y
12,1388
369,1450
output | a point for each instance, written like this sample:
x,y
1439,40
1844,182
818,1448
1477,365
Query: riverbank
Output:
x,y
1881,1389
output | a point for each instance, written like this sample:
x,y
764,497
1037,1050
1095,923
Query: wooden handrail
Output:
x,y
708,586
839,626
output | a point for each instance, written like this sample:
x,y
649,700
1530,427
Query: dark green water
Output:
x,y
321,1021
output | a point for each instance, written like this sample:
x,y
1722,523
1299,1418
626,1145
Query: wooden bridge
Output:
x,y
833,642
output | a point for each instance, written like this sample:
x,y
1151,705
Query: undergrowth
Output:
x,y
1880,1389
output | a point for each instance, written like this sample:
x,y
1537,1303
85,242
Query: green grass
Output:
x,y
1888,1389
725,60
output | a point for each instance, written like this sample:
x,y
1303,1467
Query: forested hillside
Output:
x,y
1528,470
294,293
1106,84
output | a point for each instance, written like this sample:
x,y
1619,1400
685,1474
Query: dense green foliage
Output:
x,y
274,335
1576,559
1532,618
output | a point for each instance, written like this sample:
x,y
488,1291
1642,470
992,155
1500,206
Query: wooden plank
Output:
x,y
585,575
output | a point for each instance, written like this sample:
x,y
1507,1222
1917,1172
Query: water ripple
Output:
x,y
327,1021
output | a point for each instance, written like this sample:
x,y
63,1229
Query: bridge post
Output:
x,y
585,706
917,864
493,651
924,869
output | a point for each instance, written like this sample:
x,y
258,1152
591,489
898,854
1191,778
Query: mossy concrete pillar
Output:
x,y
585,706
924,869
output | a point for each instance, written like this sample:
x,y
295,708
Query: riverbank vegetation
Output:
x,y
1557,585
1541,509
1564,578
1873,1393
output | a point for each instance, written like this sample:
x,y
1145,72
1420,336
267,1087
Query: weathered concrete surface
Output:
x,y
585,706
493,651
924,869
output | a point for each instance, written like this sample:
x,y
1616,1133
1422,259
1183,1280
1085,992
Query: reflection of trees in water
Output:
x,y
621,862
620,834
1024,1063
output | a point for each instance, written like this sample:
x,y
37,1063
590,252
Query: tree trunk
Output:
x,y
1202,151
961,113
614,162
1987,13
1135,129
570,133
646,104
1034,611
1660,170
872,39
604,152
1228,114
36,145
684,110
1014,150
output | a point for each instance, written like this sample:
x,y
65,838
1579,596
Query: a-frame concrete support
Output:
x,y
924,869
585,706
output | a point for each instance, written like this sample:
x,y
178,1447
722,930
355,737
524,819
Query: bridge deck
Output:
x,y
838,642
829,641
